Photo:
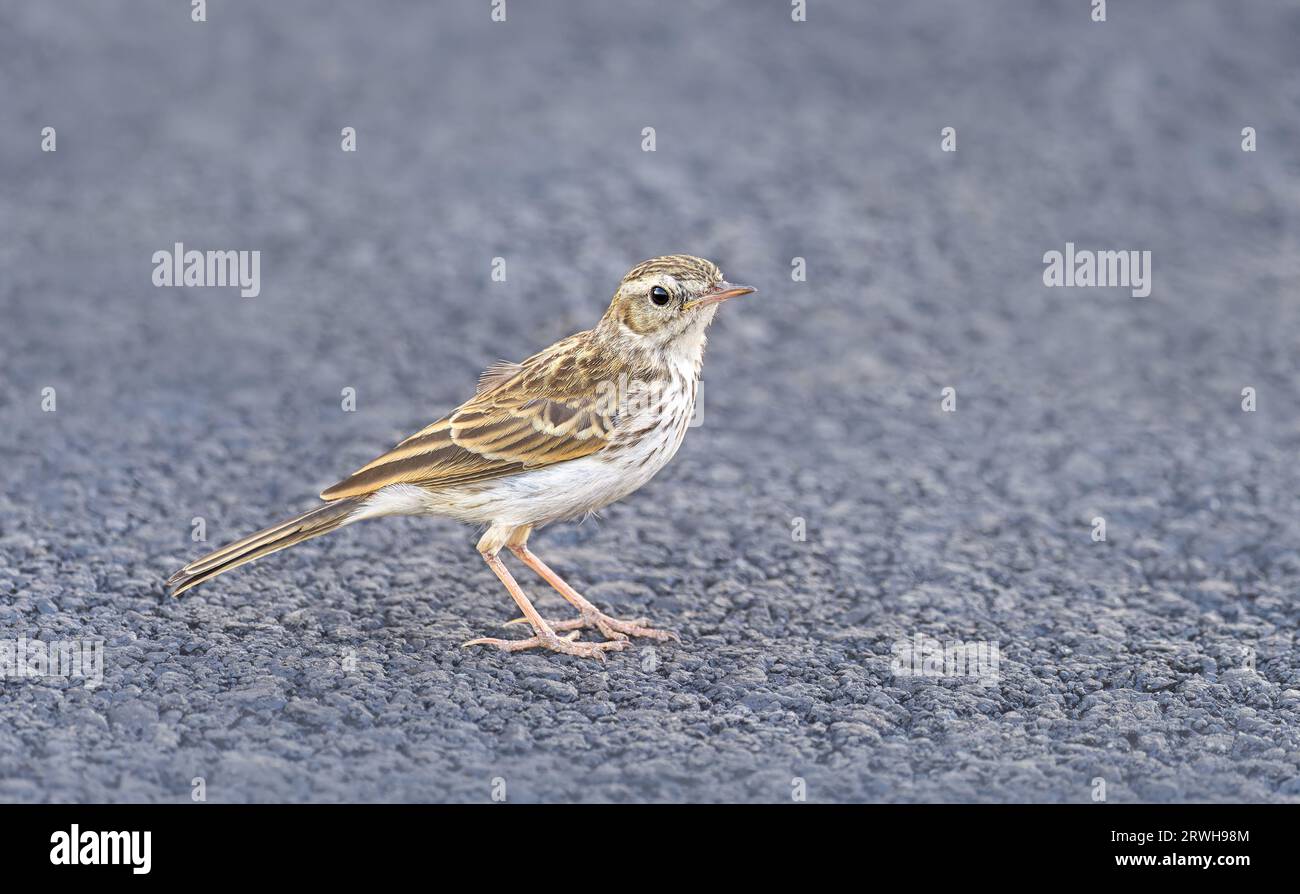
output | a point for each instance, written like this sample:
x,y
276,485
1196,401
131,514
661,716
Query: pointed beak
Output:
x,y
721,292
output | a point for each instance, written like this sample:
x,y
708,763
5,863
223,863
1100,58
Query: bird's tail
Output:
x,y
263,543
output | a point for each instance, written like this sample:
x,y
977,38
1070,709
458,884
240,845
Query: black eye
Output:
x,y
659,295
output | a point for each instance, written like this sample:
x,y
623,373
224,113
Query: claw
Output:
x,y
609,627
569,645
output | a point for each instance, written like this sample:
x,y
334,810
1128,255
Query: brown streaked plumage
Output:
x,y
525,415
571,429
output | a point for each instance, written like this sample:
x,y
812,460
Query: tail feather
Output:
x,y
263,543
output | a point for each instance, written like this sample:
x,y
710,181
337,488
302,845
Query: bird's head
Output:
x,y
668,300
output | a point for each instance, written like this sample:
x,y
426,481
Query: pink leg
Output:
x,y
544,634
591,616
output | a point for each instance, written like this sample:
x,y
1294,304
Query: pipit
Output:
x,y
567,431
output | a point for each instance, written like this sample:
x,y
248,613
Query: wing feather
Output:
x,y
522,417
496,374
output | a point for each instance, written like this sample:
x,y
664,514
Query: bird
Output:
x,y
556,437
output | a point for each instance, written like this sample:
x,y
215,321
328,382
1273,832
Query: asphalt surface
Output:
x,y
1162,660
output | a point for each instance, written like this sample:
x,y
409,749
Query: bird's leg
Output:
x,y
544,635
591,616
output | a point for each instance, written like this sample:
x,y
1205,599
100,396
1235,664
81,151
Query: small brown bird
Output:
x,y
567,431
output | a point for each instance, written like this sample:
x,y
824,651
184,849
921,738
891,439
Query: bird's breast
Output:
x,y
653,420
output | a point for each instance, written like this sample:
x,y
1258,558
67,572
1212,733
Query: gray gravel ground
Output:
x,y
1163,660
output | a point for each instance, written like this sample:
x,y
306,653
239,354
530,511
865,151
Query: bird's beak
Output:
x,y
719,293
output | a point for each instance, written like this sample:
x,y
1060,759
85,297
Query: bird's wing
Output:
x,y
525,416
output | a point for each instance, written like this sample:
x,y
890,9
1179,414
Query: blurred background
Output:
x,y
1163,660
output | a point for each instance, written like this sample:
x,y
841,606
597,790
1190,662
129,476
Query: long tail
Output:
x,y
263,543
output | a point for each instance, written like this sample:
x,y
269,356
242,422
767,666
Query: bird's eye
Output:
x,y
659,295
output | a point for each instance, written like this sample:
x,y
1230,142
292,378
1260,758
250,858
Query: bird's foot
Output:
x,y
612,628
567,645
